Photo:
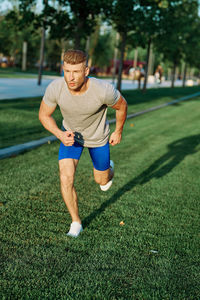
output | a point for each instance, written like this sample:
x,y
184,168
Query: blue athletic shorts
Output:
x,y
100,155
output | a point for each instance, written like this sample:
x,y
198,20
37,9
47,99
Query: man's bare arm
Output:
x,y
121,113
45,117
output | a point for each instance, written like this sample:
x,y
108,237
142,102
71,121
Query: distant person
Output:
x,y
83,102
141,74
158,74
4,62
131,73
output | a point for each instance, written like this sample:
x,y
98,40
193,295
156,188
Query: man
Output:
x,y
83,102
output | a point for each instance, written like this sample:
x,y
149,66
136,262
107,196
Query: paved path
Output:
x,y
11,88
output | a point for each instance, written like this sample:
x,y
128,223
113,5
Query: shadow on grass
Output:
x,y
177,151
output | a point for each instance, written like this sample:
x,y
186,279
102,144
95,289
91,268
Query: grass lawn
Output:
x,y
19,121
156,193
19,118
18,73
7,73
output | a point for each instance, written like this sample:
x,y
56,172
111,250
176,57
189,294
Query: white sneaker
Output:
x,y
108,185
75,229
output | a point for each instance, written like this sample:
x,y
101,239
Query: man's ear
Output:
x,y
87,71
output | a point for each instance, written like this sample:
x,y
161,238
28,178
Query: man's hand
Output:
x,y
115,138
67,138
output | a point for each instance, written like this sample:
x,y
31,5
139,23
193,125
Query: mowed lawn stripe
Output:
x,y
152,255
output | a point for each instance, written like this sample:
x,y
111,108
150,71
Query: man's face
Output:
x,y
75,75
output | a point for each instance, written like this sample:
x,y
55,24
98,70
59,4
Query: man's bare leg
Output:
x,y
67,173
104,177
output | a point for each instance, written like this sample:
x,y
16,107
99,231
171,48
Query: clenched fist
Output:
x,y
115,138
67,138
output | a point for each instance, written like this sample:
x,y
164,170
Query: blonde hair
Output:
x,y
74,57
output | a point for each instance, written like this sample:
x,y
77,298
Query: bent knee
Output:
x,y
101,177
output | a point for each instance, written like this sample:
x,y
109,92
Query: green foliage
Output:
x,y
6,41
53,54
12,37
103,52
192,43
76,20
176,25
172,27
123,15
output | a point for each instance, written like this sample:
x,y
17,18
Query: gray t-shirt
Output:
x,y
84,114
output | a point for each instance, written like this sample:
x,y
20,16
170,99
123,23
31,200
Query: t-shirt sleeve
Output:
x,y
49,97
112,95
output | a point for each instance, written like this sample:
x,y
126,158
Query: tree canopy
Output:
x,y
170,26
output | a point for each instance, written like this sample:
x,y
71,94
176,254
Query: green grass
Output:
x,y
19,118
18,73
155,193
7,73
19,121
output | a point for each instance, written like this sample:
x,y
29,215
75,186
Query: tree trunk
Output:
x,y
147,66
41,56
115,59
184,74
173,74
87,45
135,58
24,56
62,61
151,62
77,41
91,50
123,45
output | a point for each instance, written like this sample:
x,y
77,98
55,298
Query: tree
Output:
x,y
192,46
29,17
12,36
150,27
102,52
137,24
175,24
6,31
76,20
123,18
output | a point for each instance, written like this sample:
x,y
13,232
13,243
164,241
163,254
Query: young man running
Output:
x,y
83,102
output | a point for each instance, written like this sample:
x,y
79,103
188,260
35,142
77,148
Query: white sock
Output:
x,y
75,229
109,183
106,186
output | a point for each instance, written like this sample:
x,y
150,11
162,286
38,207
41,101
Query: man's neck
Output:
x,y
82,89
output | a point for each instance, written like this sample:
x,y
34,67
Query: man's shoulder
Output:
x,y
106,91
56,83
54,90
99,83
